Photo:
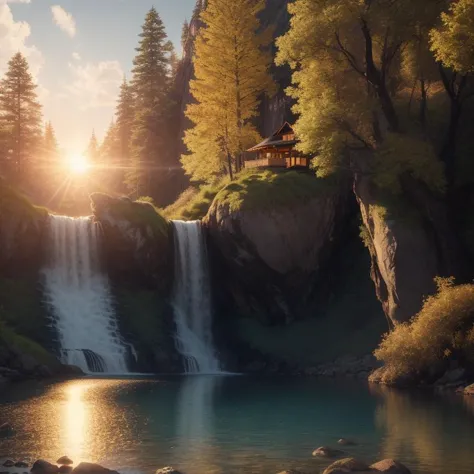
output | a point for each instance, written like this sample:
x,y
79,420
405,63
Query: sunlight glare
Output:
x,y
78,164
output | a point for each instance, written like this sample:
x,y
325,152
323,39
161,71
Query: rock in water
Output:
x,y
44,467
91,468
168,470
8,463
21,464
65,469
346,442
389,466
326,452
64,460
347,465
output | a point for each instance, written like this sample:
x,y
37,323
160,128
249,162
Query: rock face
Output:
x,y
138,239
22,229
272,255
404,256
139,261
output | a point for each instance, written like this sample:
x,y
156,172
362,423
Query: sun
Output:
x,y
78,164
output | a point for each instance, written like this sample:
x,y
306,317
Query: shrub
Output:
x,y
443,329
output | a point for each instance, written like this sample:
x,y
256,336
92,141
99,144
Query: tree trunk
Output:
x,y
448,152
423,104
229,166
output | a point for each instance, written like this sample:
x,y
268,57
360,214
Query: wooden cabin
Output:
x,y
277,151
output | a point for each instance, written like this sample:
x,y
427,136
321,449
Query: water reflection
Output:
x,y
230,425
76,416
195,424
425,429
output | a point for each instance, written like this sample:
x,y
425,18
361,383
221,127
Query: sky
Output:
x,y
79,51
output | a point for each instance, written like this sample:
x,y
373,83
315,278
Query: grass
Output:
x,y
24,345
269,189
442,330
141,213
13,202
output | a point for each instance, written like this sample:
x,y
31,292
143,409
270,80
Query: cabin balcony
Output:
x,y
277,162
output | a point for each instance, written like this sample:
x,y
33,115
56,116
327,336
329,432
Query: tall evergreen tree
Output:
x,y
150,86
50,143
93,152
184,34
20,117
124,117
232,71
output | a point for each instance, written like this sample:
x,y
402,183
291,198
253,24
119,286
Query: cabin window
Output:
x,y
289,137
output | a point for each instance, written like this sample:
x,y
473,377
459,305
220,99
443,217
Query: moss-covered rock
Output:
x,y
137,240
273,233
22,228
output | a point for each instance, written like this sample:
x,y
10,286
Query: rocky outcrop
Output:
x,y
272,255
22,228
138,240
138,251
403,251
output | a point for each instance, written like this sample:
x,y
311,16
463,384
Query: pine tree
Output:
x,y
124,116
50,143
93,152
110,159
20,117
184,34
232,71
150,86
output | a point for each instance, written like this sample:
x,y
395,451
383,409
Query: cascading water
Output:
x,y
80,300
192,300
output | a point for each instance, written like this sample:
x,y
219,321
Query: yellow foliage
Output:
x,y
443,326
231,64
453,42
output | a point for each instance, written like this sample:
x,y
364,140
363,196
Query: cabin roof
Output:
x,y
276,140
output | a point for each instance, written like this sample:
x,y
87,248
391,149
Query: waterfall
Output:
x,y
192,300
79,298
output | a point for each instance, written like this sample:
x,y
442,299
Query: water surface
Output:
x,y
230,425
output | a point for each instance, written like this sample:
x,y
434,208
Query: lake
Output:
x,y
235,424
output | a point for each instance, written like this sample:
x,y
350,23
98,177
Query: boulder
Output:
x,y
168,470
65,460
469,390
44,467
451,376
347,465
91,468
273,254
390,466
21,464
327,452
8,463
138,240
64,469
346,442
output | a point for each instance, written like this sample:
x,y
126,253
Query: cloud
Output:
x,y
64,20
14,1
96,84
76,56
13,38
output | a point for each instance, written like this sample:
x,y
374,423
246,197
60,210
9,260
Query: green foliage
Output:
x,y
141,214
24,345
150,87
453,42
402,153
20,118
269,189
443,328
14,203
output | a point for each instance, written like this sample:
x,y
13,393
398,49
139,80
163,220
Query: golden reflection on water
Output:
x,y
424,429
